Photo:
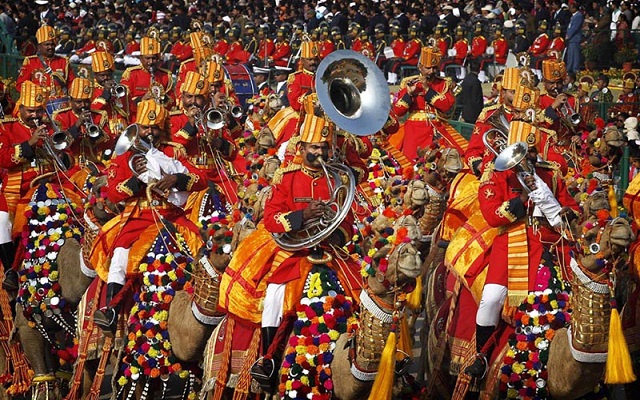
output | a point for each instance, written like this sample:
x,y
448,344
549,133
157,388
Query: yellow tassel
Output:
x,y
618,369
613,202
404,344
383,385
414,299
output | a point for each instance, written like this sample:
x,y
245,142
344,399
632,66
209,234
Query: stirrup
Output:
x,y
260,372
11,281
479,367
102,320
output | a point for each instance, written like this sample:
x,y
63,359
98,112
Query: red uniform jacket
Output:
x,y
411,52
88,46
281,54
502,207
20,161
462,48
67,119
478,155
182,51
265,49
131,46
117,109
221,47
443,45
539,45
138,79
557,44
237,54
368,50
398,45
299,83
500,50
326,47
33,70
423,110
478,46
356,45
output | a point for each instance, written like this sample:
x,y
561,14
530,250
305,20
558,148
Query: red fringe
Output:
x,y
223,374
244,380
94,393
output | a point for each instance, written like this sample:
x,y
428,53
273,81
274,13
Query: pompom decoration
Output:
x,y
165,270
544,311
51,220
324,313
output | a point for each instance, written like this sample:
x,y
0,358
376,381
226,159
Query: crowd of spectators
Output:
x,y
604,21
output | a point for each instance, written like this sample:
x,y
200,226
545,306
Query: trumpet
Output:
x,y
49,145
119,91
92,130
568,113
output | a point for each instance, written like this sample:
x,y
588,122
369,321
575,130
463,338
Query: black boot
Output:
x,y
7,256
479,367
107,318
265,370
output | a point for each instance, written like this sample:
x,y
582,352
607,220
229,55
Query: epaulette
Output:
x,y
60,111
178,149
173,113
127,72
9,119
403,83
548,165
291,77
485,111
277,176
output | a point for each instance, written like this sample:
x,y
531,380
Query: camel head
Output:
x,y
218,237
265,140
416,195
241,230
603,241
269,167
411,224
396,267
597,200
258,206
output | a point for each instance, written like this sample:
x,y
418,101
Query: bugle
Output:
x,y
118,91
568,113
49,146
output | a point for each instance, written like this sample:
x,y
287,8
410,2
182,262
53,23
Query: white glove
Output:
x,y
544,200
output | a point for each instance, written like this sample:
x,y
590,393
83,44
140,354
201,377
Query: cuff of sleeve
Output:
x,y
407,99
106,94
74,132
26,152
551,114
517,207
430,95
293,220
133,184
185,181
475,166
190,129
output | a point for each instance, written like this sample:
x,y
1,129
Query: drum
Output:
x,y
56,104
243,82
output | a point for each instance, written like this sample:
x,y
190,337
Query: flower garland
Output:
x,y
524,373
50,222
324,313
148,349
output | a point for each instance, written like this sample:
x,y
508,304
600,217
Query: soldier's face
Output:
x,y
428,72
312,152
190,100
600,83
554,88
310,64
149,61
149,133
508,95
79,105
103,77
47,48
30,114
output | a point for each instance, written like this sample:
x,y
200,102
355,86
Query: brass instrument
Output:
x,y
568,113
514,156
49,146
155,88
354,94
119,91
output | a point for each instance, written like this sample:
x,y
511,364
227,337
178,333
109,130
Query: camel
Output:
x,y
613,237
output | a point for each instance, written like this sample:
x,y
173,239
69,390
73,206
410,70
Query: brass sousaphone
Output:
x,y
354,94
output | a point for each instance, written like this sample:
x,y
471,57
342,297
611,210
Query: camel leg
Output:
x,y
345,385
33,344
72,281
568,378
188,335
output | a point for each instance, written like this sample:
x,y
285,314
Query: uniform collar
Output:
x,y
315,174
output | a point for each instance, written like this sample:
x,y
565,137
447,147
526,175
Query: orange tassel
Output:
x,y
613,202
414,299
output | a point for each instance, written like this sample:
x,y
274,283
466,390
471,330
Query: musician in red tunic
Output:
x,y
366,47
201,54
514,99
459,50
627,101
46,69
139,80
537,216
266,47
22,160
557,44
398,45
131,44
221,44
500,49
282,51
299,194
116,252
203,146
326,44
76,120
558,109
302,82
539,47
478,48
236,54
105,98
423,98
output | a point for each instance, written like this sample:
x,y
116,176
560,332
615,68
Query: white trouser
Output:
x,y
493,297
5,227
273,303
118,266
